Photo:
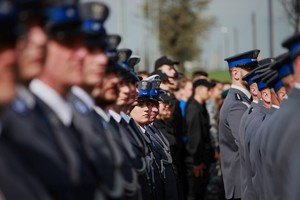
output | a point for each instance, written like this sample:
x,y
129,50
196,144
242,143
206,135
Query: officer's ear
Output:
x,y
235,73
266,95
253,89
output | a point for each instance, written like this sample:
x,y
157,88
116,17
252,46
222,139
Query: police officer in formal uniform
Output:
x,y
62,70
268,148
167,66
235,104
160,144
255,169
285,136
140,118
254,106
103,152
127,95
251,128
17,179
119,112
248,117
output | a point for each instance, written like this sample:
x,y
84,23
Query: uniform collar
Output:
x,y
245,91
297,86
48,95
84,96
125,117
102,113
115,115
255,101
142,129
274,106
26,96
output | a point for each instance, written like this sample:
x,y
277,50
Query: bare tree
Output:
x,y
182,27
292,9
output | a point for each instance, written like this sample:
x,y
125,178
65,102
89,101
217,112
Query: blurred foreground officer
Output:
x,y
17,180
286,126
267,149
253,130
198,144
103,153
63,69
235,104
106,95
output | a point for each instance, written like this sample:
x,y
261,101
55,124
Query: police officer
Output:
x,y
269,141
254,127
103,153
127,95
248,117
160,144
249,113
235,104
167,66
140,118
17,179
126,101
286,162
250,133
62,70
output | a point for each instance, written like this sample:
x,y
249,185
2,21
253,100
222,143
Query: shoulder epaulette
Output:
x,y
250,110
19,106
80,107
238,97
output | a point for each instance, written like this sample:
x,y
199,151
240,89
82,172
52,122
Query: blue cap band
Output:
x,y
93,26
277,85
240,62
63,14
154,93
143,92
261,85
294,49
284,71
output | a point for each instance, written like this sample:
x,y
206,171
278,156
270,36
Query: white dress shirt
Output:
x,y
50,97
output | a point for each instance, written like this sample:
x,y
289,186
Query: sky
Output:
x,y
231,35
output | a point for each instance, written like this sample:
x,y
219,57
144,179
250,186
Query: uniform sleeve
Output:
x,y
234,118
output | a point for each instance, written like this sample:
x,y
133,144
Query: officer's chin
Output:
x,y
245,84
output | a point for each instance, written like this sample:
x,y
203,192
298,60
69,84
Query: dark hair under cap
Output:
x,y
202,82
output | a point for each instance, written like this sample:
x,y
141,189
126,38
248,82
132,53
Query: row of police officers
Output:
x,y
259,129
76,120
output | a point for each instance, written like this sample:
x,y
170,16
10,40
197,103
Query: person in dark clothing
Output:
x,y
198,144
